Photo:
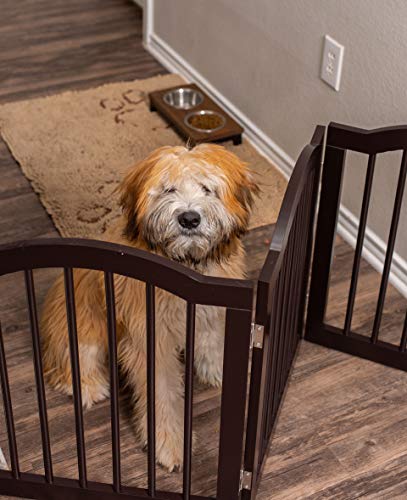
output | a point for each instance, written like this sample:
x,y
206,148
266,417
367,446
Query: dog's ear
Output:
x,y
134,189
133,193
246,190
129,190
242,188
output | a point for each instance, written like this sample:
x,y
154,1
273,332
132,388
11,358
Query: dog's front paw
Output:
x,y
170,451
210,373
212,379
93,394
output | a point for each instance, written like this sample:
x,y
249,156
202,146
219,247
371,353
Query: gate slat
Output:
x,y
289,308
278,341
189,388
403,343
75,372
114,379
284,329
151,420
39,376
390,247
307,233
299,252
299,255
314,188
270,367
8,411
359,244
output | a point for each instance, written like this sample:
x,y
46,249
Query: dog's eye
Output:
x,y
170,190
205,189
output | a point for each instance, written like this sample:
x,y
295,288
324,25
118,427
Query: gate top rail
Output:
x,y
373,141
127,261
308,159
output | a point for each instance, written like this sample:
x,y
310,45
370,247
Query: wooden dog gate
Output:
x,y
340,139
272,337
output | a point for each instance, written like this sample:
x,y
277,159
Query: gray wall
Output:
x,y
265,56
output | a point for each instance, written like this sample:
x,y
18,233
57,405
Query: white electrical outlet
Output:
x,y
332,61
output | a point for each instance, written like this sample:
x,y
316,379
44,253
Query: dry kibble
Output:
x,y
205,122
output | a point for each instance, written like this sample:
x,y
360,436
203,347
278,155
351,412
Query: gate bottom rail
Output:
x,y
35,486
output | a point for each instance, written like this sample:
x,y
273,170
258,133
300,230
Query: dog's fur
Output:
x,y
211,181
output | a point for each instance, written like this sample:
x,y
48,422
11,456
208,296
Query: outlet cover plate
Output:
x,y
332,61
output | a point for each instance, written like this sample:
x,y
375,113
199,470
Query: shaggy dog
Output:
x,y
191,206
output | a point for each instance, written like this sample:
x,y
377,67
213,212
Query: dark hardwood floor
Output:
x,y
343,426
50,46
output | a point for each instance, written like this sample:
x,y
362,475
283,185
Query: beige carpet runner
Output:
x,y
74,148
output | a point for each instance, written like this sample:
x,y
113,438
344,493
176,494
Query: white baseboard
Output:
x,y
3,461
374,250
148,21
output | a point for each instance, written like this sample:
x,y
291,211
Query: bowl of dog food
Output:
x,y
194,115
205,120
183,98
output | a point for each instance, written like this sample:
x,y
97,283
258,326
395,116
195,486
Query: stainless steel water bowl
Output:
x,y
206,121
183,98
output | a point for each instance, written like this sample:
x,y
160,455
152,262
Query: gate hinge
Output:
x,y
256,336
245,480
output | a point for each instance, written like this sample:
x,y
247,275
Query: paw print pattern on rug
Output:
x,y
92,213
98,214
96,217
122,108
108,187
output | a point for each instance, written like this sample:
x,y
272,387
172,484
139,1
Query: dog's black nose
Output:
x,y
189,220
